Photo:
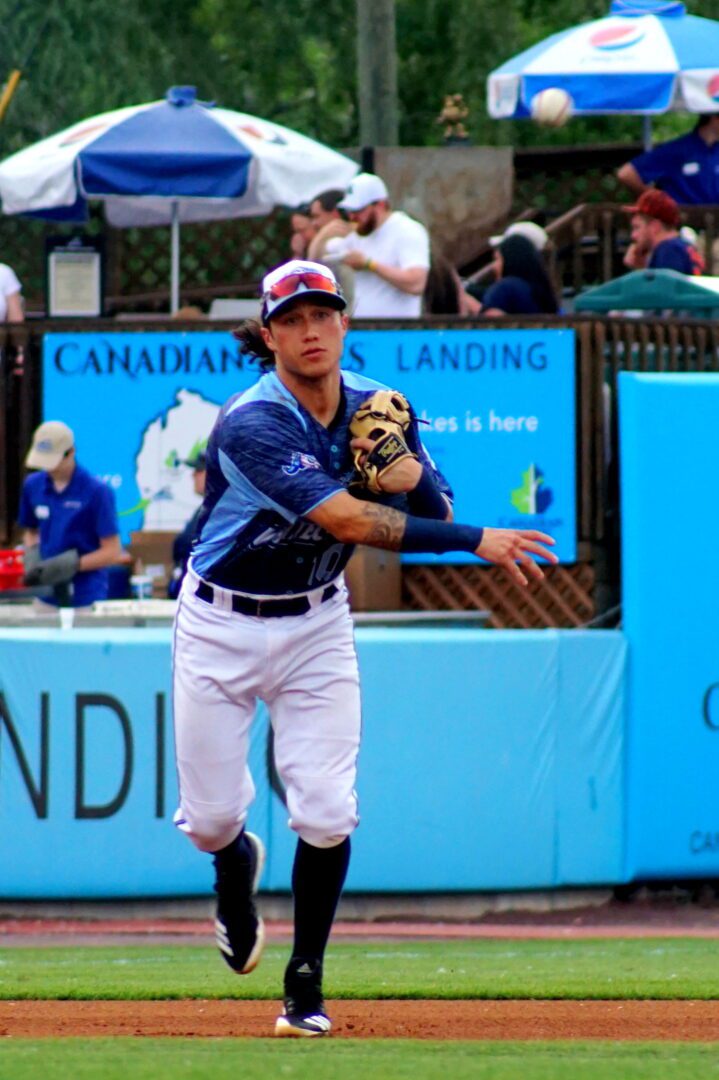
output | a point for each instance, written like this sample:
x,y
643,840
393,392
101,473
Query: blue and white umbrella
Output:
x,y
646,57
169,162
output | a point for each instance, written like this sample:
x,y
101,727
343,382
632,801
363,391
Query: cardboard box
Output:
x,y
374,580
152,555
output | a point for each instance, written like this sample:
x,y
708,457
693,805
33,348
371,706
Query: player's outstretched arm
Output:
x,y
356,522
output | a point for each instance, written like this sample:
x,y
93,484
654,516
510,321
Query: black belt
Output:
x,y
266,609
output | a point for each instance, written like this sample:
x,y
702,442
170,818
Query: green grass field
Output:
x,y
650,968
391,1059
674,968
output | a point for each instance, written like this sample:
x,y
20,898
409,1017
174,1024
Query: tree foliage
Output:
x,y
80,57
295,63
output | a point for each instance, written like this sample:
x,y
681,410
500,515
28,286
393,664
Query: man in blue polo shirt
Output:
x,y
686,168
69,520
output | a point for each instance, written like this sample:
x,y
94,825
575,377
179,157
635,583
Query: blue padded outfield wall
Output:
x,y
499,766
509,760
669,456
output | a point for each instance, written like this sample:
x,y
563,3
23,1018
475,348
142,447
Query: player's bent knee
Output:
x,y
207,832
321,842
324,834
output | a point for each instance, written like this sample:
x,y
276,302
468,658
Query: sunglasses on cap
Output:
x,y
288,286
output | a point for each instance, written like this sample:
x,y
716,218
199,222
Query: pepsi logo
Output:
x,y
616,37
713,88
84,132
270,135
251,129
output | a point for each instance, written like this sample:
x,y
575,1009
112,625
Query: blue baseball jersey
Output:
x,y
78,517
269,463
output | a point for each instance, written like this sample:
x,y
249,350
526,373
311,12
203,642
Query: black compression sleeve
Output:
x,y
428,535
426,500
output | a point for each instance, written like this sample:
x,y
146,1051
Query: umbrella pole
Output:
x,y
175,259
647,132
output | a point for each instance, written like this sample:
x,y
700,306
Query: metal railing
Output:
x,y
588,244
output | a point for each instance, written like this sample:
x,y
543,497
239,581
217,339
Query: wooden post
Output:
x,y
377,73
8,91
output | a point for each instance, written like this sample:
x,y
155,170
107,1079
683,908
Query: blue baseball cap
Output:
x,y
300,279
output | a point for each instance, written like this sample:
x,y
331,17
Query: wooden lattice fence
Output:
x,y
564,599
225,258
552,180
219,258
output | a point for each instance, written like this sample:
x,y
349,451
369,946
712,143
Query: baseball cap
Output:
x,y
657,204
689,236
50,444
366,188
529,229
300,278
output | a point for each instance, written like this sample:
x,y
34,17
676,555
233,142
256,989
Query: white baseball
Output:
x,y
552,107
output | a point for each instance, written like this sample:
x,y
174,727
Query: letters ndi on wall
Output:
x,y
37,781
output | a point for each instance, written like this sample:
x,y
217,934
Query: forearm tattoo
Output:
x,y
385,526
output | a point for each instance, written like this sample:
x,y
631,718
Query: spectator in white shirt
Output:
x,y
11,309
388,251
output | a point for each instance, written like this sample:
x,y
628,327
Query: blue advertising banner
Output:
x,y
498,407
668,432
506,772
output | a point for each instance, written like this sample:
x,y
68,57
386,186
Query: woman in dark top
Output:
x,y
523,286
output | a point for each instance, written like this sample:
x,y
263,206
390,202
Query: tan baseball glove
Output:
x,y
384,418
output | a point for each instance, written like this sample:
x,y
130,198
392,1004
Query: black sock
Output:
x,y
236,856
318,875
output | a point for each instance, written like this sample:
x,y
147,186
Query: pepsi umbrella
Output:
x,y
646,57
169,162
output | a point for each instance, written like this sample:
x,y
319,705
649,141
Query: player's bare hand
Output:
x,y
356,259
514,549
403,476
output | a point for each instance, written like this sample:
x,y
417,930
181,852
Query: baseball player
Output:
x,y
299,469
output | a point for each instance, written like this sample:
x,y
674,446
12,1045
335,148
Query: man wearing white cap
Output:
x,y
528,229
388,251
69,519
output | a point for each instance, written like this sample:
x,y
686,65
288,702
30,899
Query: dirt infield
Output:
x,y
503,1020
617,1020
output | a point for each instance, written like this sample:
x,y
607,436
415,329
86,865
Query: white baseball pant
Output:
x,y
304,667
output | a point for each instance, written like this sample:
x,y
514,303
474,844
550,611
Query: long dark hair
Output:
x,y
522,260
441,293
249,335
